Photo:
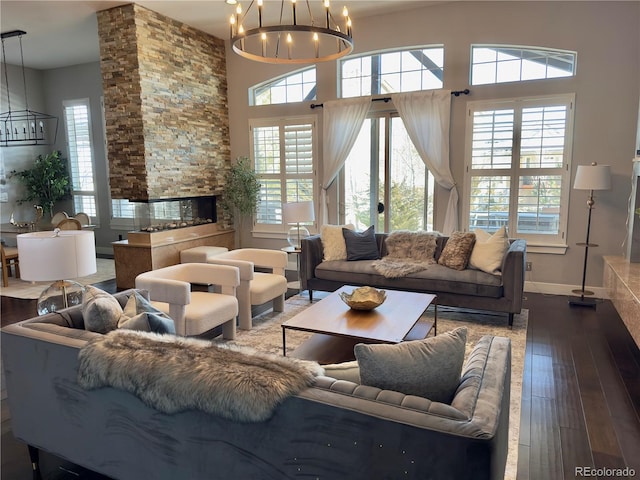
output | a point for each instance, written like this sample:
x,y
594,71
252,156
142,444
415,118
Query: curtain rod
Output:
x,y
456,93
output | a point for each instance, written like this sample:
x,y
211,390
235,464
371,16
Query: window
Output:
x,y
295,87
77,118
517,167
392,72
501,63
386,183
284,158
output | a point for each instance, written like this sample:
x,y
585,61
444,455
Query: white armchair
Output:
x,y
256,288
195,312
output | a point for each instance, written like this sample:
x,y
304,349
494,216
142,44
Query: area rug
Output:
x,y
266,336
31,290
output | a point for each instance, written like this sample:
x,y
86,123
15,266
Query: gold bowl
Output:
x,y
364,298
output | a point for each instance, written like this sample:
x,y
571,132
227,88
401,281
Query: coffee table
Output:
x,y
338,328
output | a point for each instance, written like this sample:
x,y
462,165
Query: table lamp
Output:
x,y
55,256
589,177
298,212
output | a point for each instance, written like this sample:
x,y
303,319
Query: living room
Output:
x,y
605,127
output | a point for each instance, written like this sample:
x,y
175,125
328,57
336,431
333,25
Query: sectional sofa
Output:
x,y
334,430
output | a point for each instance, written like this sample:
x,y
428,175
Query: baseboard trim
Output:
x,y
562,289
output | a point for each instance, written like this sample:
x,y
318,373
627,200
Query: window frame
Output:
x,y
280,230
536,243
83,102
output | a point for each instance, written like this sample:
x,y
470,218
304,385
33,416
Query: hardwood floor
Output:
x,y
580,399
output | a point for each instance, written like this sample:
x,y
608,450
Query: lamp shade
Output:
x,y
593,177
298,212
59,255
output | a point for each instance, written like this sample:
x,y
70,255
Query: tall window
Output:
x,y
392,72
386,183
77,119
517,167
284,153
294,87
504,63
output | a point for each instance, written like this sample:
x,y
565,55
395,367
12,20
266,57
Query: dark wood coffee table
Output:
x,y
338,328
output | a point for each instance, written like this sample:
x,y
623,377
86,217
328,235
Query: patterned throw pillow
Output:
x,y
140,315
333,244
428,368
457,250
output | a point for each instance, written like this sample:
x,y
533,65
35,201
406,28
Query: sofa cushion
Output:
x,y
361,245
333,244
489,250
457,250
349,371
101,310
428,368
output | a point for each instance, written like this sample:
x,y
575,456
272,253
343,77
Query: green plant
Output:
x,y
46,182
241,188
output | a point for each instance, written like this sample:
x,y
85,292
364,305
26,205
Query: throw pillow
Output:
x,y
139,314
428,368
100,310
333,243
457,250
361,245
489,250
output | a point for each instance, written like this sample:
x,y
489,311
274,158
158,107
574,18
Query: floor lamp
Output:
x,y
55,256
297,213
589,177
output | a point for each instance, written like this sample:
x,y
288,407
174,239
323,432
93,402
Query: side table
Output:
x,y
295,251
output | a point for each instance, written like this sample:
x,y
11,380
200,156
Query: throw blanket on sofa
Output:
x,y
173,374
407,252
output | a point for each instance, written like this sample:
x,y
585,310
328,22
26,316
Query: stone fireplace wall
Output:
x,y
165,100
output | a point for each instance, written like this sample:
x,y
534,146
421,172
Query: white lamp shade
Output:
x,y
298,212
51,256
593,177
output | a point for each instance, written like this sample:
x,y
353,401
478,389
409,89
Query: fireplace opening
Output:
x,y
169,214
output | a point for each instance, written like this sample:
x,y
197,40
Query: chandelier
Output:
x,y
24,127
306,39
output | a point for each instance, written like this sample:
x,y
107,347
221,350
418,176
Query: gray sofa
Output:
x,y
334,430
467,288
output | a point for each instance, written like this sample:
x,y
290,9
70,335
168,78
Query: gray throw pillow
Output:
x,y
361,245
100,310
140,315
427,368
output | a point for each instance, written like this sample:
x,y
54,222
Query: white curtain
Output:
x,y
342,121
426,117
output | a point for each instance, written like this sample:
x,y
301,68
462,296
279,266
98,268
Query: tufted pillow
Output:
x,y
427,368
333,242
457,250
100,310
489,250
361,245
140,315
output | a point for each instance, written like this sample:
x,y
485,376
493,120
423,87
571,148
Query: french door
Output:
x,y
386,183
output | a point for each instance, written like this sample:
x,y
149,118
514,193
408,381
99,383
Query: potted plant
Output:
x,y
46,182
241,189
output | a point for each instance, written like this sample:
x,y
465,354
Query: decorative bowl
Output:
x,y
364,298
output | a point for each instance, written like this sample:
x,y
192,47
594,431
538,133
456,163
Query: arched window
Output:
x,y
417,68
506,63
299,86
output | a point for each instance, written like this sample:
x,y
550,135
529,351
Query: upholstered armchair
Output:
x,y
195,312
256,287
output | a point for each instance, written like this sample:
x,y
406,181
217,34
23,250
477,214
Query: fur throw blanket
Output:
x,y
173,374
407,252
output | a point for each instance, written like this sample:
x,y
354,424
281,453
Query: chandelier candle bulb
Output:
x,y
317,45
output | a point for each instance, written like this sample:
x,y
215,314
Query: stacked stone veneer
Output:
x,y
166,110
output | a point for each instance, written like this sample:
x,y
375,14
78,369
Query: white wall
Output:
x,y
607,87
